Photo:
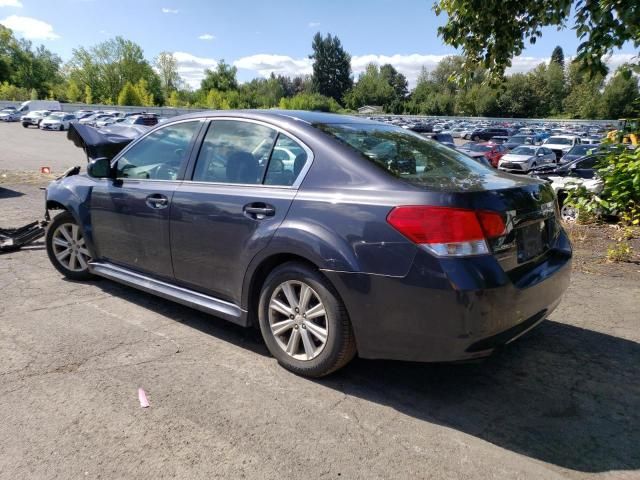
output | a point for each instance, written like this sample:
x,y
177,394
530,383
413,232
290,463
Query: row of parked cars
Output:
x,y
47,115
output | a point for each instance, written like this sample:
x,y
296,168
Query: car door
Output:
x,y
585,167
241,188
130,214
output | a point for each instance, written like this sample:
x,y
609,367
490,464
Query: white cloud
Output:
x,y
11,3
314,24
30,28
191,68
265,64
166,10
207,36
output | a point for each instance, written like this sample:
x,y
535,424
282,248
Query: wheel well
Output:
x,y
260,275
53,205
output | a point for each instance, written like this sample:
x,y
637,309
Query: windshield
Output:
x,y
559,141
409,156
56,116
524,151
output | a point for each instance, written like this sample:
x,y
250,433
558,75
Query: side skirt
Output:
x,y
184,296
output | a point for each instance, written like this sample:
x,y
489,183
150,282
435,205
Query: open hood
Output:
x,y
95,143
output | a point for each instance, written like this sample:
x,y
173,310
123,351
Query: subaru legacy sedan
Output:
x,y
334,235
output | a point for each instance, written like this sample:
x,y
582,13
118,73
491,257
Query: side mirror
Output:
x,y
100,168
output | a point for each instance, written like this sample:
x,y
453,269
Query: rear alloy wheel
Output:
x,y
67,249
303,322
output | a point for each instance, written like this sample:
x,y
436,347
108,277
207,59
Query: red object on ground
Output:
x,y
45,169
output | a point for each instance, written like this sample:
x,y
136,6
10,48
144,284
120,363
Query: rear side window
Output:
x,y
234,152
407,155
287,161
159,155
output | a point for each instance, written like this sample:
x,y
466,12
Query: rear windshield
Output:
x,y
580,149
524,151
405,154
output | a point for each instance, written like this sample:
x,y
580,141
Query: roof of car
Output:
x,y
309,117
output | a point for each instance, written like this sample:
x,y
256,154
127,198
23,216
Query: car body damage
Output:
x,y
96,143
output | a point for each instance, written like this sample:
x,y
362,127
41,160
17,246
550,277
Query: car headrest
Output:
x,y
242,167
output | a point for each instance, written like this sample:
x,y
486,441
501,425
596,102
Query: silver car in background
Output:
x,y
526,157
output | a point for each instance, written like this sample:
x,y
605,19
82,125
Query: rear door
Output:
x,y
242,184
130,215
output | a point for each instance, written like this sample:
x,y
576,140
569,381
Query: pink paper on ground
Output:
x,y
142,396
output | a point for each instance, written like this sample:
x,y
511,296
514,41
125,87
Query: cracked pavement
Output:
x,y
562,402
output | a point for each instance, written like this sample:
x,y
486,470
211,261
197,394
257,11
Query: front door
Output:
x,y
130,214
243,184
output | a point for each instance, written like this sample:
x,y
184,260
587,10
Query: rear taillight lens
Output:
x,y
448,231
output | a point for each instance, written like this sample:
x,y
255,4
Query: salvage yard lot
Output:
x,y
562,402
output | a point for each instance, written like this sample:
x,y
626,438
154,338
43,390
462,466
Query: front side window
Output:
x,y
287,160
159,155
234,152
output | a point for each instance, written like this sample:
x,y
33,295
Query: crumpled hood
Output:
x,y
96,143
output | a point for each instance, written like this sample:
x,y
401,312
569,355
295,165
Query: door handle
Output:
x,y
157,201
259,210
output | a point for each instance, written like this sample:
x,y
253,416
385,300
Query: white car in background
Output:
x,y
57,121
34,118
561,144
526,157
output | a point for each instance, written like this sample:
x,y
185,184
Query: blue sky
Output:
x,y
257,36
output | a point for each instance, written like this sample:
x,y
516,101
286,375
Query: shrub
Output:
x,y
620,196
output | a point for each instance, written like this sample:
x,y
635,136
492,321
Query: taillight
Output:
x,y
447,231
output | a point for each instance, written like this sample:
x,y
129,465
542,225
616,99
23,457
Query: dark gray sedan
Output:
x,y
334,235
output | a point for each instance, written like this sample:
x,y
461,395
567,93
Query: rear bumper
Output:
x,y
453,309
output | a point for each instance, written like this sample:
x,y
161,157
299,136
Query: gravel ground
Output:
x,y
562,402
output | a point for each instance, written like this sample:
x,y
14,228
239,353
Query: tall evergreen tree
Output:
x,y
557,56
331,67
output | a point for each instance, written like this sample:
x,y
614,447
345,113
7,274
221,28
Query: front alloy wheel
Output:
x,y
67,249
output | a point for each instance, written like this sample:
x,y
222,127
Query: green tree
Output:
x,y
600,25
129,95
73,92
372,88
33,95
620,96
517,97
167,68
88,95
557,56
584,97
222,78
331,67
397,80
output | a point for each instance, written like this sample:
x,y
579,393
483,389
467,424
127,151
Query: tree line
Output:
x,y
116,72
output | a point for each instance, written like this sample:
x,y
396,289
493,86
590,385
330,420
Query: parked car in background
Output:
x,y
32,105
577,173
490,151
9,114
489,133
561,144
444,138
451,261
34,118
577,151
517,140
57,121
133,126
80,114
526,157
91,119
499,139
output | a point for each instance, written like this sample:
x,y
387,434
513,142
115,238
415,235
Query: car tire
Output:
x,y
25,125
312,347
66,248
61,128
476,138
